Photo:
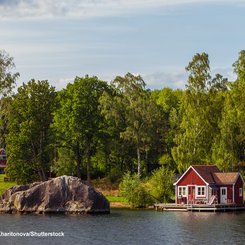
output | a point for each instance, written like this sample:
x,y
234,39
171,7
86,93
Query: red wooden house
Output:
x,y
206,184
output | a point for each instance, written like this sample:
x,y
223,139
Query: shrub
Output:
x,y
133,190
161,184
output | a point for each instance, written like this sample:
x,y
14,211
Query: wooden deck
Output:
x,y
198,207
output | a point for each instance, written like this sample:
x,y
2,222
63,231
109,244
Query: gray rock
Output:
x,y
63,194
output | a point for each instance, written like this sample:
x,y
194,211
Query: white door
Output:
x,y
223,195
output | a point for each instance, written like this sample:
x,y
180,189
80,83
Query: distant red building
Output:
x,y
3,160
207,184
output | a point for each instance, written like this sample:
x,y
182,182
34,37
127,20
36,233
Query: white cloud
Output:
x,y
159,80
61,83
178,79
226,73
11,9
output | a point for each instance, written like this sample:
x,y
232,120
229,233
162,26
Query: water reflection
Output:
x,y
130,227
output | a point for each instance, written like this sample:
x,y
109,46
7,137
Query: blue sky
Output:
x,y
58,40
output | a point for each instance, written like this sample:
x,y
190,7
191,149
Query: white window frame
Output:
x,y
205,191
240,192
180,191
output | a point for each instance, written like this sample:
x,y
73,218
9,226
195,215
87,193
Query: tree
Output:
x,y
77,122
7,79
7,82
132,110
29,139
169,101
64,163
199,125
225,145
161,183
133,190
239,101
229,145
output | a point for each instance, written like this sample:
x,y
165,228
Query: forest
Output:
x,y
95,129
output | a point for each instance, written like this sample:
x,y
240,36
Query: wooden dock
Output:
x,y
198,207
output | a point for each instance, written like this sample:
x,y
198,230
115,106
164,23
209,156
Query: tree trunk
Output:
x,y
42,174
78,159
88,168
138,157
88,162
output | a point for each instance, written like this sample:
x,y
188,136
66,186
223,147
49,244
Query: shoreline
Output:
x,y
119,205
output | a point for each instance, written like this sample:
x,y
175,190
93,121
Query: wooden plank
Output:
x,y
198,207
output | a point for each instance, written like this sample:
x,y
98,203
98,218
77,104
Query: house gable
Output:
x,y
190,177
239,177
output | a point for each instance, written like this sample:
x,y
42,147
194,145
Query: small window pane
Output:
x,y
201,191
240,192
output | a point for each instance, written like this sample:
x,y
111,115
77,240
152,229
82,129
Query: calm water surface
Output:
x,y
128,227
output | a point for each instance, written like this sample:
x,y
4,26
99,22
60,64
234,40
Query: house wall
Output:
x,y
239,184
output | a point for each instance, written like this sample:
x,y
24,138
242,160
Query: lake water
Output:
x,y
128,227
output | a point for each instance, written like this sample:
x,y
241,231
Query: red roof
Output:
x,y
212,175
225,178
206,172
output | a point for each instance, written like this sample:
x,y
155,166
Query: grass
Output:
x,y
111,192
116,199
5,185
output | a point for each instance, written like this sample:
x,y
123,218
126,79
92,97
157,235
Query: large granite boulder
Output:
x,y
63,194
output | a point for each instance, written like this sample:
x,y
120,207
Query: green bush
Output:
x,y
161,184
115,175
134,192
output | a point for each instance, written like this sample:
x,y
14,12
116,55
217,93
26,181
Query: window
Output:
x,y
201,191
240,192
182,191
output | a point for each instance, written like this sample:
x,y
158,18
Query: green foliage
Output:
x,y
167,161
229,145
7,79
100,130
78,123
201,114
7,82
115,175
132,110
225,146
65,164
29,139
169,101
133,190
239,102
161,183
